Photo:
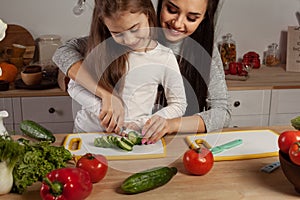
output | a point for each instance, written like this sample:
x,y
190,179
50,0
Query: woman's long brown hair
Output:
x,y
111,60
197,76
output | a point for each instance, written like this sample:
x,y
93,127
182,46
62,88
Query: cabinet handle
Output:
x,y
51,110
236,104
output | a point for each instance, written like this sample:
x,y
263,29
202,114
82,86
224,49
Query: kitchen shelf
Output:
x,y
265,78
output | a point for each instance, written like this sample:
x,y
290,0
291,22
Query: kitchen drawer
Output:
x,y
250,102
282,119
249,120
285,105
285,101
6,104
47,109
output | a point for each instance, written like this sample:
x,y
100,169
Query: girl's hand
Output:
x,y
154,129
112,113
128,125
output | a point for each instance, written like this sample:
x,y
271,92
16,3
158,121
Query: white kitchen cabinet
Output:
x,y
54,113
285,105
249,107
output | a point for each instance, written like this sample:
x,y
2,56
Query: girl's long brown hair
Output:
x,y
111,60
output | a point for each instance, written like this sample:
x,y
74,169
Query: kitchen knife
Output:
x,y
219,148
228,145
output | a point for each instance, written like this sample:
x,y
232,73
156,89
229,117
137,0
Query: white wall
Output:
x,y
254,24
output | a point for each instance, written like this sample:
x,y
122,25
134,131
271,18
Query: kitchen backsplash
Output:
x,y
254,24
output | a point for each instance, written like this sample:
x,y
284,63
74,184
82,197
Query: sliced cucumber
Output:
x,y
124,145
127,141
135,137
107,142
103,142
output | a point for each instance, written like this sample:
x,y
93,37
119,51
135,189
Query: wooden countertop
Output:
x,y
267,78
227,180
33,93
259,79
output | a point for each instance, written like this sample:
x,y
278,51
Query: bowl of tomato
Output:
x,y
290,170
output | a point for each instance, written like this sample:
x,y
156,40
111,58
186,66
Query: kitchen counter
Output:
x,y
267,78
32,93
227,180
262,78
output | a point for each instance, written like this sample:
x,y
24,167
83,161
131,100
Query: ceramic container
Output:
x,y
32,75
290,170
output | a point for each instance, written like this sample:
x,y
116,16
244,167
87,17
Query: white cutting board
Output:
x,y
80,143
255,144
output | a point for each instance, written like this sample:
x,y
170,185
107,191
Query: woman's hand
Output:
x,y
112,112
155,128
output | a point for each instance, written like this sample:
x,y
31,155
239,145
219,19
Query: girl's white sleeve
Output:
x,y
174,90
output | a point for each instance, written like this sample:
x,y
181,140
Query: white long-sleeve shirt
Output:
x,y
145,71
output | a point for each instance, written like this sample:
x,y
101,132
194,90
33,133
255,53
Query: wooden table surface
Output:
x,y
240,179
262,78
267,78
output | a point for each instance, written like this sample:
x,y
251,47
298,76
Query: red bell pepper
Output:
x,y
66,184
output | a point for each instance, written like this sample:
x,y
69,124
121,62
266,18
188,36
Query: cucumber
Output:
x,y
124,145
113,141
102,142
36,131
127,141
296,122
148,180
135,137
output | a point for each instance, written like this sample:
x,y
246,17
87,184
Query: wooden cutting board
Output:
x,y
16,34
255,144
85,144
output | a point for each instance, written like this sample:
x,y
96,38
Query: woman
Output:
x,y
182,21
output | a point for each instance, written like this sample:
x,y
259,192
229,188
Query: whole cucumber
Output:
x,y
296,122
148,180
36,131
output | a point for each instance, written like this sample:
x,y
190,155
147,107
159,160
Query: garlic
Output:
x,y
3,27
6,178
3,114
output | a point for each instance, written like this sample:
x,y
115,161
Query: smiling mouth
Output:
x,y
174,31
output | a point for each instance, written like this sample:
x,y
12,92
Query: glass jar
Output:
x,y
228,51
47,45
272,55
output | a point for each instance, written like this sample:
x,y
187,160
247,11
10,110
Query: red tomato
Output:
x,y
198,161
233,68
95,165
286,139
294,153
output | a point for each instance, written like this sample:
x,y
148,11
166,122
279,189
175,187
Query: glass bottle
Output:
x,y
272,55
228,51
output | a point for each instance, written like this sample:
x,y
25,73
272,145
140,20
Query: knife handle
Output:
x,y
232,144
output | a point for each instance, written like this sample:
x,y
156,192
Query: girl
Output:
x,y
181,20
125,60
